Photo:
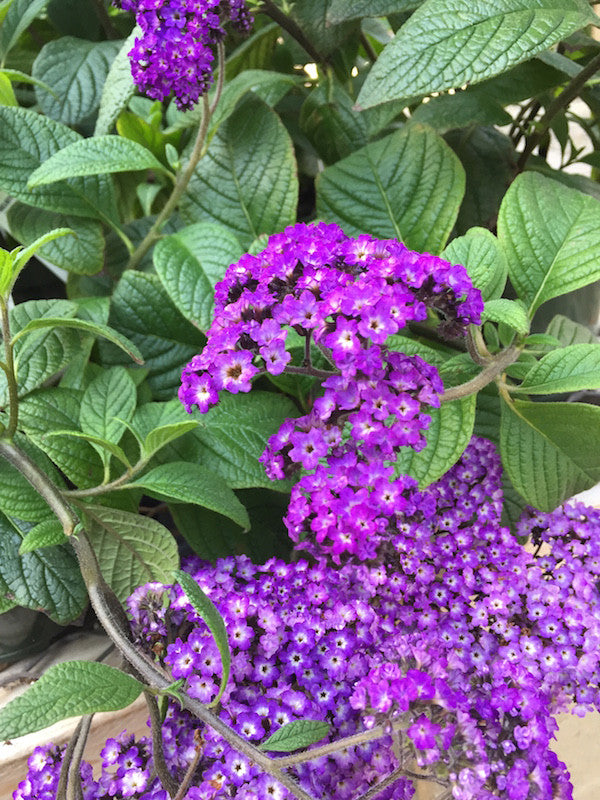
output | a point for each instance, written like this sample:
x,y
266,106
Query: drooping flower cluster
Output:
x,y
460,643
344,298
174,52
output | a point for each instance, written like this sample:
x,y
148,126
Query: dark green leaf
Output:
x,y
19,17
47,579
131,549
76,71
551,235
445,112
182,482
408,186
569,369
550,450
67,690
296,735
331,124
206,609
189,264
254,53
482,256
312,16
94,156
48,533
342,10
247,180
107,403
447,43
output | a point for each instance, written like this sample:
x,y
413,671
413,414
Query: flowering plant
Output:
x,y
371,419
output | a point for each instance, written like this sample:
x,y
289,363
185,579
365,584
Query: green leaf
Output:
x,y
449,433
342,10
109,399
206,609
182,482
482,256
118,87
407,186
460,110
82,253
334,128
47,410
24,254
312,16
27,140
7,95
256,52
567,370
131,549
67,690
488,158
569,332
6,268
47,579
76,70
189,264
19,17
142,310
41,355
16,76
234,434
447,43
296,735
247,180
89,327
160,437
75,18
550,450
103,446
95,156
508,312
48,533
551,235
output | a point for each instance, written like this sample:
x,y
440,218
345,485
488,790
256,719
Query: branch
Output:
x,y
487,375
294,30
69,782
158,755
105,21
570,92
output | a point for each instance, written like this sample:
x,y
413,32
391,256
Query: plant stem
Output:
x,y
294,30
11,375
368,48
570,92
329,748
189,775
63,778
487,375
105,21
74,790
384,784
158,755
312,371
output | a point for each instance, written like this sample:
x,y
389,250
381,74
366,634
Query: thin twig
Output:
x,y
368,48
312,371
158,754
382,785
105,21
294,30
189,775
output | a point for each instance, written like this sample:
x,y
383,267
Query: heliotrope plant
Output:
x,y
394,630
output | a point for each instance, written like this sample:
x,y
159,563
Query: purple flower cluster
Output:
x,y
174,52
344,297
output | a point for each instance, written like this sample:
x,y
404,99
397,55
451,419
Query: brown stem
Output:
x,y
158,754
294,30
189,775
312,371
570,92
368,48
487,375
384,784
69,782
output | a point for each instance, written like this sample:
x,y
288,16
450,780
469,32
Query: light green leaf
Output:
x,y
567,370
296,735
118,87
142,310
183,482
508,312
234,433
551,235
447,43
6,271
189,264
82,253
17,76
569,332
550,450
76,70
449,433
28,252
95,156
48,579
19,17
407,186
109,399
131,549
206,609
67,690
342,10
57,408
160,437
48,533
27,140
482,256
247,180
7,95
89,327
103,446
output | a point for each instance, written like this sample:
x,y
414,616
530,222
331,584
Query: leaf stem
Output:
x,y
109,29
74,790
570,92
11,375
158,754
487,375
189,775
103,488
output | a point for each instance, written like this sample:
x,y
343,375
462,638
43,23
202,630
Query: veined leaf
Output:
x,y
482,256
160,437
569,369
48,533
296,735
507,312
342,10
19,17
118,87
